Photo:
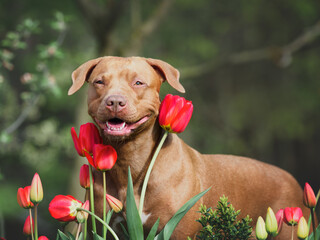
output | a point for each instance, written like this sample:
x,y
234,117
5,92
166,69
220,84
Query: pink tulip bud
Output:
x,y
36,190
292,215
27,226
23,197
309,199
104,157
279,217
84,176
64,208
175,113
114,203
88,136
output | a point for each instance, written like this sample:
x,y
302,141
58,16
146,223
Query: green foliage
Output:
x,y
222,223
135,228
317,234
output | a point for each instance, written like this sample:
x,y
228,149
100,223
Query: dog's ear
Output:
x,y
168,73
81,74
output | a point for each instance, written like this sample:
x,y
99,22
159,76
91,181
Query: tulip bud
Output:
x,y
84,176
114,203
309,199
271,223
261,232
36,190
27,226
82,216
23,197
303,229
175,113
279,217
292,215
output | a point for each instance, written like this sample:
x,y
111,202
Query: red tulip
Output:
x,y
175,113
309,199
104,157
279,217
114,203
27,226
84,176
23,197
292,215
43,238
36,190
88,136
64,208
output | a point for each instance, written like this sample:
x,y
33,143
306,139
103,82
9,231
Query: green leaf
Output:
x,y
70,236
97,237
63,236
134,223
124,231
153,230
109,215
318,234
167,231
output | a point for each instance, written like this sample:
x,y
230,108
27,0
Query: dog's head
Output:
x,y
123,95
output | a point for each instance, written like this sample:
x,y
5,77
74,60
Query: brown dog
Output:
x,y
123,100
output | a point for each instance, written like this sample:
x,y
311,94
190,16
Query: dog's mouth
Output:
x,y
119,127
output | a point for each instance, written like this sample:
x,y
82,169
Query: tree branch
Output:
x,y
141,31
282,56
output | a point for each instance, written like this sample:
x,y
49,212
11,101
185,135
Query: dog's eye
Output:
x,y
98,82
138,83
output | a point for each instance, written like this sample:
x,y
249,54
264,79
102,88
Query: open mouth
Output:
x,y
118,127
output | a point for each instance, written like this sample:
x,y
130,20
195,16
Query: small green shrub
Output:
x,y
222,223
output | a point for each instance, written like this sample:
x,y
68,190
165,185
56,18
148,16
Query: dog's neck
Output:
x,y
130,154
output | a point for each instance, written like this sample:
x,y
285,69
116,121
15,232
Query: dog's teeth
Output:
x,y
116,128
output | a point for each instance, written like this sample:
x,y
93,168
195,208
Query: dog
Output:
x,y
123,100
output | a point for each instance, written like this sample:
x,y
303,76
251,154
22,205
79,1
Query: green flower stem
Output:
x,y
85,230
94,228
100,220
104,204
292,231
78,231
30,214
313,223
146,179
36,221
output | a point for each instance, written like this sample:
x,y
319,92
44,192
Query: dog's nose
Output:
x,y
116,103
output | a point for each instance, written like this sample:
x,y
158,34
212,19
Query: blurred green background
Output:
x,y
251,69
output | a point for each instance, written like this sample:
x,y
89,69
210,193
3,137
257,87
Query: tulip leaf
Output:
x,y
62,236
317,232
125,231
153,230
167,231
97,237
134,223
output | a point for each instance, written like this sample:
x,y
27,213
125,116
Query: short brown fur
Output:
x,y
180,172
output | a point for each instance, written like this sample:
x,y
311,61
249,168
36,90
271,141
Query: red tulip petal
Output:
x,y
76,142
88,136
90,159
105,156
182,119
63,208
